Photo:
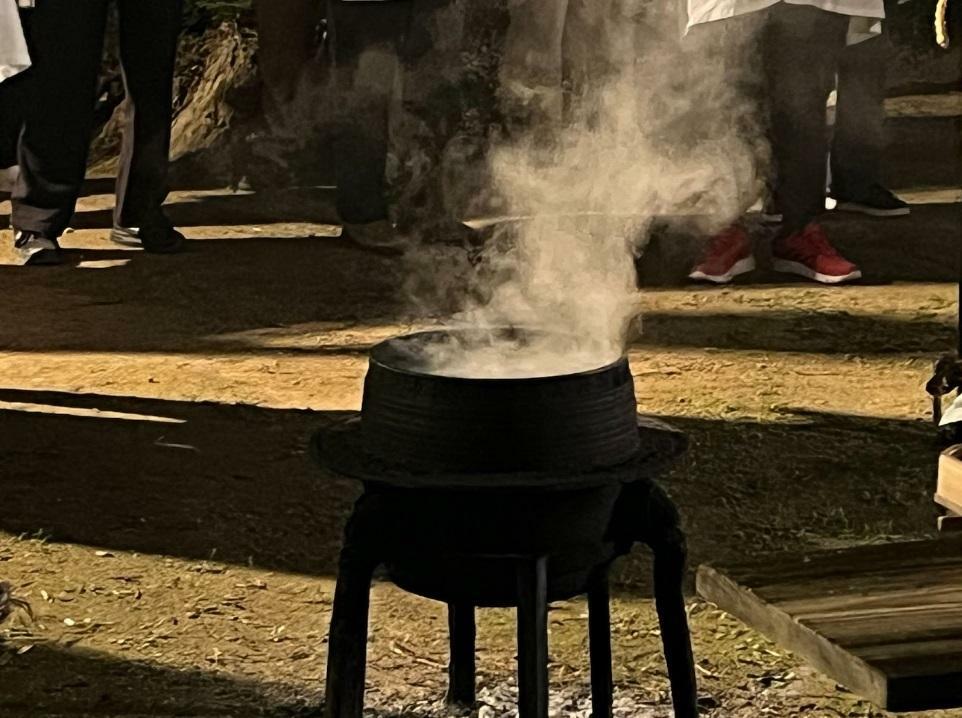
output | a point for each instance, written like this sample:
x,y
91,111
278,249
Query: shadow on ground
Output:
x,y
223,295
302,205
238,480
50,681
136,302
799,331
176,478
56,682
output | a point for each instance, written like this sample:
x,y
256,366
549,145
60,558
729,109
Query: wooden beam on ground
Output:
x,y
884,621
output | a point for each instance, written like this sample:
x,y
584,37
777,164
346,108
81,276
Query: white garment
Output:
x,y
14,57
867,15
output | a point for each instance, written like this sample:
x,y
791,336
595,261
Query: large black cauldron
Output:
x,y
502,492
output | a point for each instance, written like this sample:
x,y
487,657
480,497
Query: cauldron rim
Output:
x,y
379,352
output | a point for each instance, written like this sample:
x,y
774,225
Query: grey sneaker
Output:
x,y
159,240
380,236
35,249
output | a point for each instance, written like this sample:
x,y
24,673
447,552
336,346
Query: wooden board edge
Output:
x,y
948,504
827,657
952,452
950,524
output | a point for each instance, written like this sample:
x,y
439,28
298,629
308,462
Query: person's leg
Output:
x,y
11,119
860,131
860,116
366,36
741,106
148,47
441,129
285,37
66,44
530,75
12,102
801,55
585,59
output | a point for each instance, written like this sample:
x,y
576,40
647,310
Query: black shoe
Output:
x,y
875,201
158,240
32,248
380,237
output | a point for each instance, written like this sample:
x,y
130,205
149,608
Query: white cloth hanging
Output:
x,y
14,57
867,15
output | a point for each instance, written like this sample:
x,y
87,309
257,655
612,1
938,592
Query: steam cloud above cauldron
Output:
x,y
661,127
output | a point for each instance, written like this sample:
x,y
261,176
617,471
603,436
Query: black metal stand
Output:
x,y
461,673
599,646
663,535
659,529
533,638
347,640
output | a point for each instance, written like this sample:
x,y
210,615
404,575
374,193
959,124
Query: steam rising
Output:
x,y
489,354
658,127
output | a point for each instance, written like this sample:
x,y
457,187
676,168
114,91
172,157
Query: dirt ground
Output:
x,y
159,511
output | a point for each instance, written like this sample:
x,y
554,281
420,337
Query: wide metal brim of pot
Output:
x,y
339,448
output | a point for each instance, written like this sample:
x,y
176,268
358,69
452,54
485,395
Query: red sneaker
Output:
x,y
729,254
809,254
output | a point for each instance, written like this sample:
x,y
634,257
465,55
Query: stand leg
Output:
x,y
667,542
347,643
599,640
533,639
461,673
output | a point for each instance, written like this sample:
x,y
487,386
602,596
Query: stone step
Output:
x,y
923,247
923,150
923,139
943,104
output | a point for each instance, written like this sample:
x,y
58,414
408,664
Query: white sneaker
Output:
x,y
8,178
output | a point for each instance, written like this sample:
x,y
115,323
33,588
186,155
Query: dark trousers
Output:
x,y
375,33
11,118
417,46
806,54
285,37
13,101
802,52
860,116
66,43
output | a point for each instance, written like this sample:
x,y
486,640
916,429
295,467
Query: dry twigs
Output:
x,y
9,603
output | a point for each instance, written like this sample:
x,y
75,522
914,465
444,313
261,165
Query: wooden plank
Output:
x,y
927,665
885,621
904,578
827,657
894,598
948,648
844,563
926,623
